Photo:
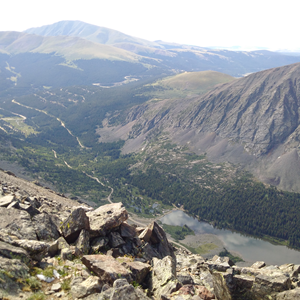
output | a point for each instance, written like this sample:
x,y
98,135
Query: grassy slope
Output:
x,y
188,83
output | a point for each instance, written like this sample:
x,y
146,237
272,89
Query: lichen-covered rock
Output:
x,y
98,244
139,270
83,242
72,226
12,252
122,290
91,285
36,249
163,277
220,286
267,284
289,295
10,271
70,253
106,267
106,217
17,222
115,240
45,228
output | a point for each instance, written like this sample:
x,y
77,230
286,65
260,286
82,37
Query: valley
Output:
x,y
155,127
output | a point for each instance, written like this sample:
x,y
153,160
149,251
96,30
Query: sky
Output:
x,y
249,24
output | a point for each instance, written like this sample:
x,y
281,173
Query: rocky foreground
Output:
x,y
52,247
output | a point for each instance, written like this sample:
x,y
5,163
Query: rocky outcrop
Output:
x,y
106,217
101,256
73,225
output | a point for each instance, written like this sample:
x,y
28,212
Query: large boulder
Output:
x,y
36,249
72,226
106,268
45,228
106,217
83,241
163,278
159,242
17,222
12,252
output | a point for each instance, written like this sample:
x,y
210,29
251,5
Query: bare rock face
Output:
x,y
72,226
106,217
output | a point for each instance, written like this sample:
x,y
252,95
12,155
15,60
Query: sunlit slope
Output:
x,y
188,83
90,32
71,48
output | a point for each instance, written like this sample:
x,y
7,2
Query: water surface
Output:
x,y
251,249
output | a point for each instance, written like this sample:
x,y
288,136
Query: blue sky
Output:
x,y
249,24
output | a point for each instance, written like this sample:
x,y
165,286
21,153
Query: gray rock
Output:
x,y
159,239
122,290
98,244
12,252
89,286
139,270
36,249
289,295
17,222
10,271
127,231
115,240
30,209
163,277
70,253
106,268
6,200
56,287
83,241
72,226
45,228
258,265
106,217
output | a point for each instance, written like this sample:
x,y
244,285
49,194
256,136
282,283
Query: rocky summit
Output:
x,y
52,247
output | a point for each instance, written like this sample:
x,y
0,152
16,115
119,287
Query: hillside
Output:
x,y
252,121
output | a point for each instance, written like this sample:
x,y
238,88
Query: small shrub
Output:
x,y
37,296
66,285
